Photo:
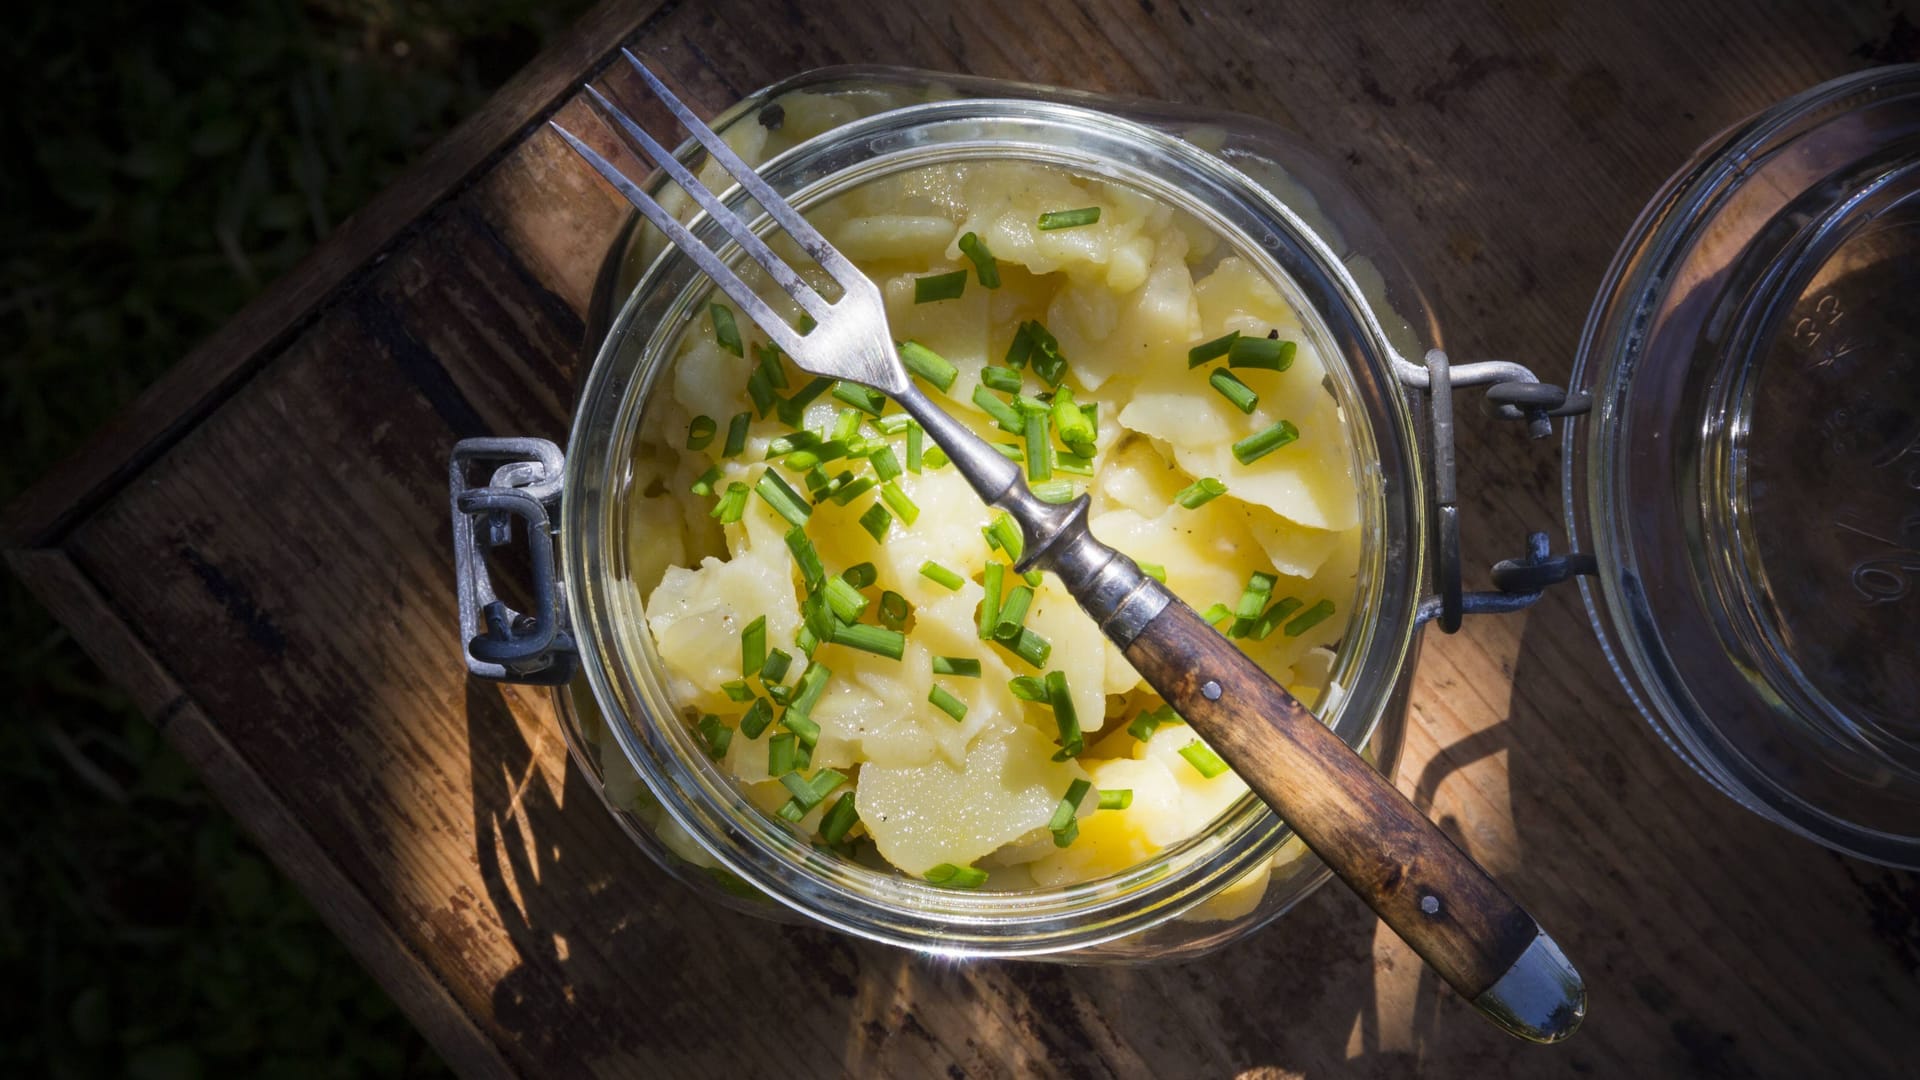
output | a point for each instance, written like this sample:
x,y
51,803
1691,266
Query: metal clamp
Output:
x,y
502,644
1513,393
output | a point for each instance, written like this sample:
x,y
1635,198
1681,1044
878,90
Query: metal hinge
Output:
x,y
534,646
1513,393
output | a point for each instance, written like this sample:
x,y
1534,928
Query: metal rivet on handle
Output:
x,y
1430,904
1211,691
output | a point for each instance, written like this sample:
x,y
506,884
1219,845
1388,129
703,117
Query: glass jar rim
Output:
x,y
892,908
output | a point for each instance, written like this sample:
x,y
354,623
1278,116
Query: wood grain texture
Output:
x,y
1394,859
267,547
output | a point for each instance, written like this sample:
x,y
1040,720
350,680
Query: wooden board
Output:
x,y
259,551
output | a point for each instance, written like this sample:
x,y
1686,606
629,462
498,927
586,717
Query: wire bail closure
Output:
x,y
1513,393
503,645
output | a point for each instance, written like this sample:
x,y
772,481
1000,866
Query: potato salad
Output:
x,y
836,611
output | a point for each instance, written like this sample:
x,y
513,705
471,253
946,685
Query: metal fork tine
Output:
x,y
782,274
709,263
808,237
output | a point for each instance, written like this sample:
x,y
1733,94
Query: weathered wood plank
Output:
x,y
278,581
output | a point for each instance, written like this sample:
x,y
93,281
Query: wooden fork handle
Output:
x,y
1430,892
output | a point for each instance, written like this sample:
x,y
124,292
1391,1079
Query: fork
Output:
x,y
1431,893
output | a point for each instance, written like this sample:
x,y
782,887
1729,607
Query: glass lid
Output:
x,y
1749,478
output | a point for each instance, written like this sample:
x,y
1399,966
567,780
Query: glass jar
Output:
x,y
1749,480
821,134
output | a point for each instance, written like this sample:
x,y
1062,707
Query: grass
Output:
x,y
178,156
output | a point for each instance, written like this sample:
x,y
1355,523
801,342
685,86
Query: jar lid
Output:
x,y
1749,478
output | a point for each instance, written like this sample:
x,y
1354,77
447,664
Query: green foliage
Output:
x,y
167,159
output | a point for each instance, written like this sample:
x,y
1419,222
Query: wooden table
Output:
x,y
258,550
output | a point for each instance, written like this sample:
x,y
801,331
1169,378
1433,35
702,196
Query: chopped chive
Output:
x,y
819,454
1069,219
1033,578
703,484
1005,380
737,690
792,442
753,646
845,600
817,613
1020,349
725,333
1013,613
845,424
1253,601
936,287
1065,824
1002,533
1214,614
1148,722
1072,742
984,265
928,364
1046,359
854,490
839,819
860,575
1091,410
733,505
935,457
1072,423
780,754
700,432
1259,445
1208,351
808,559
774,669
990,606
876,521
780,495
803,728
717,735
820,485
1075,464
806,641
916,442
1204,760
868,401
933,571
770,363
813,683
892,423
759,715
1200,492
958,877
1239,394
964,666
1027,688
878,640
1153,570
809,793
1264,353
1032,648
894,610
903,507
1310,618
1011,453
1116,799
885,465
737,434
947,703
1028,405
1002,413
1273,617
803,756
782,695
805,324
1039,447
761,391
794,409
1054,491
